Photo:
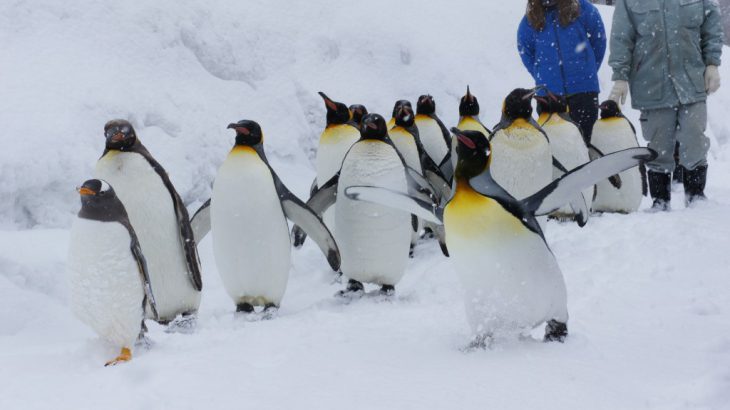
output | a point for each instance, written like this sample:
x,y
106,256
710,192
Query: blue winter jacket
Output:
x,y
580,47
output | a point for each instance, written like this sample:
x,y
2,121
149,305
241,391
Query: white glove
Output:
x,y
712,79
619,92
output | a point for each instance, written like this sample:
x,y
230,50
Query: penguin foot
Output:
x,y
410,251
184,323
270,311
124,356
387,290
353,290
427,233
244,308
555,331
479,342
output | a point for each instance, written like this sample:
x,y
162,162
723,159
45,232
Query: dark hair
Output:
x,y
568,12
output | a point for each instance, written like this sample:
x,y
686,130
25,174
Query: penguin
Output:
x,y
108,279
396,106
374,240
469,114
566,143
522,161
160,220
334,142
358,113
434,136
249,209
511,278
614,132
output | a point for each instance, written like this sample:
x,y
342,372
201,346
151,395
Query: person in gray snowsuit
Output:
x,y
667,53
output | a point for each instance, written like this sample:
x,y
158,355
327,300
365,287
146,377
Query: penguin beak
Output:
x,y
469,97
372,125
85,191
328,102
463,138
533,91
232,126
118,137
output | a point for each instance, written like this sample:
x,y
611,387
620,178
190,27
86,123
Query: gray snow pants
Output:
x,y
686,124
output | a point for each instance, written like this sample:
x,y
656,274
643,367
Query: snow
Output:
x,y
647,293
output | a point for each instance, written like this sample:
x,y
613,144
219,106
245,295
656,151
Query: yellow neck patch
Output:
x,y
469,123
334,134
470,214
243,150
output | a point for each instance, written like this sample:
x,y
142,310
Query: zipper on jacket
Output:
x,y
560,58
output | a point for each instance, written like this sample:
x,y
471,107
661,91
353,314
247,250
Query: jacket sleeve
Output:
x,y
596,31
623,40
526,45
711,42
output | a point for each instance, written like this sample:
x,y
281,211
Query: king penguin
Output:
x,y
374,240
566,143
359,112
611,133
433,133
248,210
160,220
108,280
469,114
396,106
511,278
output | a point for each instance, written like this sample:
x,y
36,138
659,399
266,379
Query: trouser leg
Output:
x,y
693,143
659,128
584,111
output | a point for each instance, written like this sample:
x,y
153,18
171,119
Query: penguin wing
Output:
x,y
563,189
595,153
578,204
427,210
321,199
447,167
200,222
485,185
183,222
149,298
308,221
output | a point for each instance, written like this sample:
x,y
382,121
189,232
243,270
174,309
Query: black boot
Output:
x,y
660,189
694,184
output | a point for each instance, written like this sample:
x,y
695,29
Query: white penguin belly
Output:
x,y
405,143
373,239
152,214
568,147
106,291
334,143
250,233
511,279
611,135
521,161
432,138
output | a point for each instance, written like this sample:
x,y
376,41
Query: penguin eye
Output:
x,y
125,129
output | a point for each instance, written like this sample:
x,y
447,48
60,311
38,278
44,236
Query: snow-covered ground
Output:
x,y
650,314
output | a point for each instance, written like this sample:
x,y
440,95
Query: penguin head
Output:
x,y
94,192
518,103
374,127
397,105
247,132
609,109
337,112
468,106
119,135
473,153
552,104
358,113
404,114
425,105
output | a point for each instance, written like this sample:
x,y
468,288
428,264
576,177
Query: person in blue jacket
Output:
x,y
562,44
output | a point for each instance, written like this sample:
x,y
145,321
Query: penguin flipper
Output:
x,y
319,201
308,221
595,153
562,190
427,210
200,222
445,131
579,203
149,297
447,167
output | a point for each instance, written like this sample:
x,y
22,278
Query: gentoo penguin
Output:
x,y
374,240
566,143
108,280
469,114
248,210
611,133
160,220
511,279
358,113
434,135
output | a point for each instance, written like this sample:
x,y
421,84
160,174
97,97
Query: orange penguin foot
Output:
x,y
124,356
